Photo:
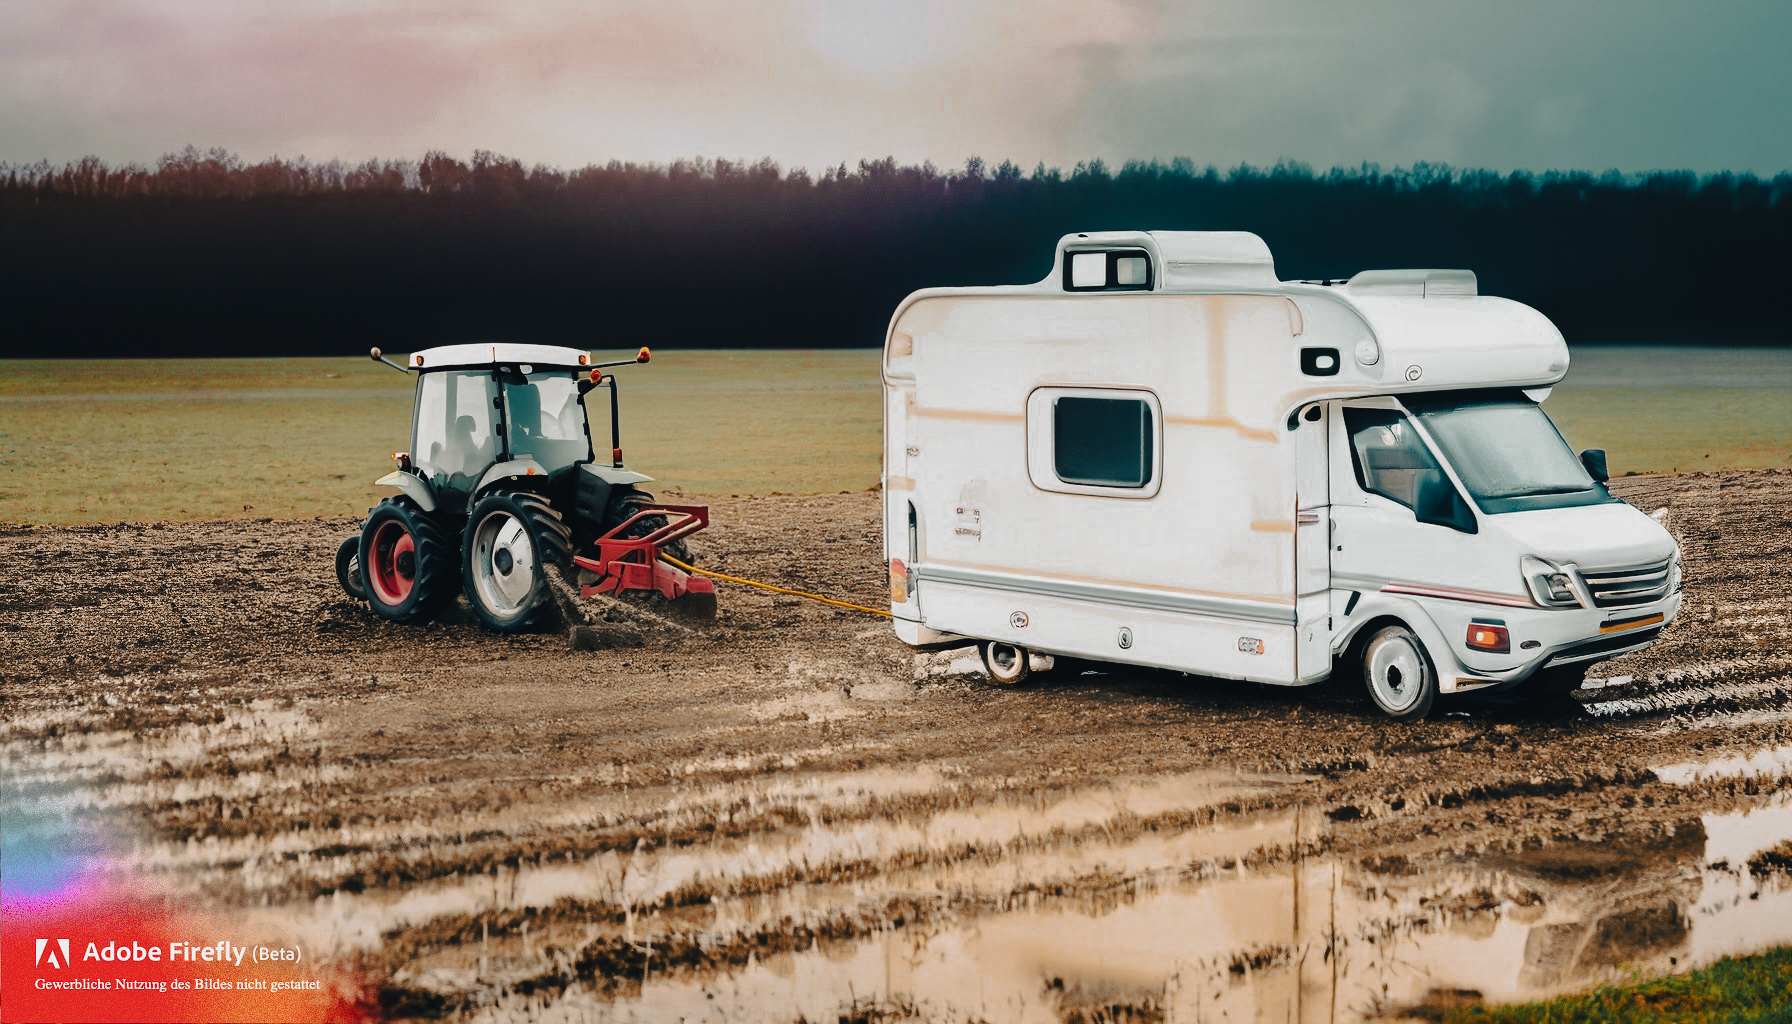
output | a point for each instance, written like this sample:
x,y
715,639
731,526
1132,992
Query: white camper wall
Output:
x,y
1216,540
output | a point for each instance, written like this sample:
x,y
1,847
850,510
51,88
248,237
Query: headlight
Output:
x,y
1557,586
1550,585
1675,577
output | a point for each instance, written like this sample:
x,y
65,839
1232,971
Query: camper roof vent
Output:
x,y
1208,258
1427,283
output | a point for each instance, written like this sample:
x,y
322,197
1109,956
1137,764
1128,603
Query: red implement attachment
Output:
x,y
633,563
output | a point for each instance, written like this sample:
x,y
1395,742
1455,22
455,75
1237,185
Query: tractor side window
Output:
x,y
454,440
547,420
1389,458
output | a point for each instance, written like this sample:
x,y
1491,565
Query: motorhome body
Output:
x,y
1162,455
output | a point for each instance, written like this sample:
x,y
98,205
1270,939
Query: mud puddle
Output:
x,y
1772,763
890,833
1314,939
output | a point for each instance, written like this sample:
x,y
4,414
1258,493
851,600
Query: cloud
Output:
x,y
1637,84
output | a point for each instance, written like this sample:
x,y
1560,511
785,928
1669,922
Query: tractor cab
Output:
x,y
469,419
508,416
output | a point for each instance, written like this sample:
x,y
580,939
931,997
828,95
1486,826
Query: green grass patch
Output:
x,y
1754,989
216,438
154,439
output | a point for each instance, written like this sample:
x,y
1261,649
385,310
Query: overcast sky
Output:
x,y
1634,85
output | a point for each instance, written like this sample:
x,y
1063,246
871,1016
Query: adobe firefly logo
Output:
x,y
51,958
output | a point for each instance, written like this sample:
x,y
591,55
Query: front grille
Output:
x,y
1616,588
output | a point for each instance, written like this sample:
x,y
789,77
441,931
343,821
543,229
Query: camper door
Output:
x,y
1312,545
1400,523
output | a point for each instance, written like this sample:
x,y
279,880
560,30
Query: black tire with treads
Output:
x,y
627,503
414,589
512,540
348,568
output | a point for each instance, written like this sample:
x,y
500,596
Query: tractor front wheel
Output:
x,y
407,567
511,540
348,568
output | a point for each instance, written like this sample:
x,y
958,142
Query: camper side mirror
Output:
x,y
1437,502
1594,460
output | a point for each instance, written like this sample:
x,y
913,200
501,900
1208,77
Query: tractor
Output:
x,y
502,485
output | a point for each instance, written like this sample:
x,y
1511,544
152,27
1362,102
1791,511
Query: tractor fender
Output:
x,y
416,489
614,476
501,471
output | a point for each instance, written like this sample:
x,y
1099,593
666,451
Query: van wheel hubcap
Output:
x,y
1396,671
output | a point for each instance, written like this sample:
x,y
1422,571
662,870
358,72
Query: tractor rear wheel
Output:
x,y
406,565
511,540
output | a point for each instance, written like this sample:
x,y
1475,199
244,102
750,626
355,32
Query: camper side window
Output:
x,y
1389,457
1102,442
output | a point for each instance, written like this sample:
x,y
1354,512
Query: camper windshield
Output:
x,y
1506,450
546,420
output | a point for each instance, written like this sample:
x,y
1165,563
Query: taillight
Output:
x,y
1489,636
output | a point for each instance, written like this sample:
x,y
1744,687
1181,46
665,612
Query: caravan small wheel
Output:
x,y
1006,664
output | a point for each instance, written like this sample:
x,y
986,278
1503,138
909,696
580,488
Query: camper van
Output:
x,y
1161,455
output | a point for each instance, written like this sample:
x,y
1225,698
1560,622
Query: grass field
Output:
x,y
1743,990
195,439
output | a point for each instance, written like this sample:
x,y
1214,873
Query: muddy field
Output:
x,y
789,816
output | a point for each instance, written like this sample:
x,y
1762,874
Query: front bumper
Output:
x,y
1541,638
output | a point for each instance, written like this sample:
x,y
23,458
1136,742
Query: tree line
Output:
x,y
206,254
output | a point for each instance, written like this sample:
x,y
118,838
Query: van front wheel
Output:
x,y
1399,675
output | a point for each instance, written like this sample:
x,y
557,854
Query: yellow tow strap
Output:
x,y
768,586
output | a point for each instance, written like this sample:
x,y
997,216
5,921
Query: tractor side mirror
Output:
x,y
1594,460
379,357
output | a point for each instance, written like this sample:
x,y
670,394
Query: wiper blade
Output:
x,y
1545,490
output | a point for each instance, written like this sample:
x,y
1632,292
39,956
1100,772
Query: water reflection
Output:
x,y
1319,940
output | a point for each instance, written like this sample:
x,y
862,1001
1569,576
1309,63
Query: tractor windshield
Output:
x,y
546,420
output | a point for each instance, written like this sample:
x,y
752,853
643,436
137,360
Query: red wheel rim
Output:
x,y
393,567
